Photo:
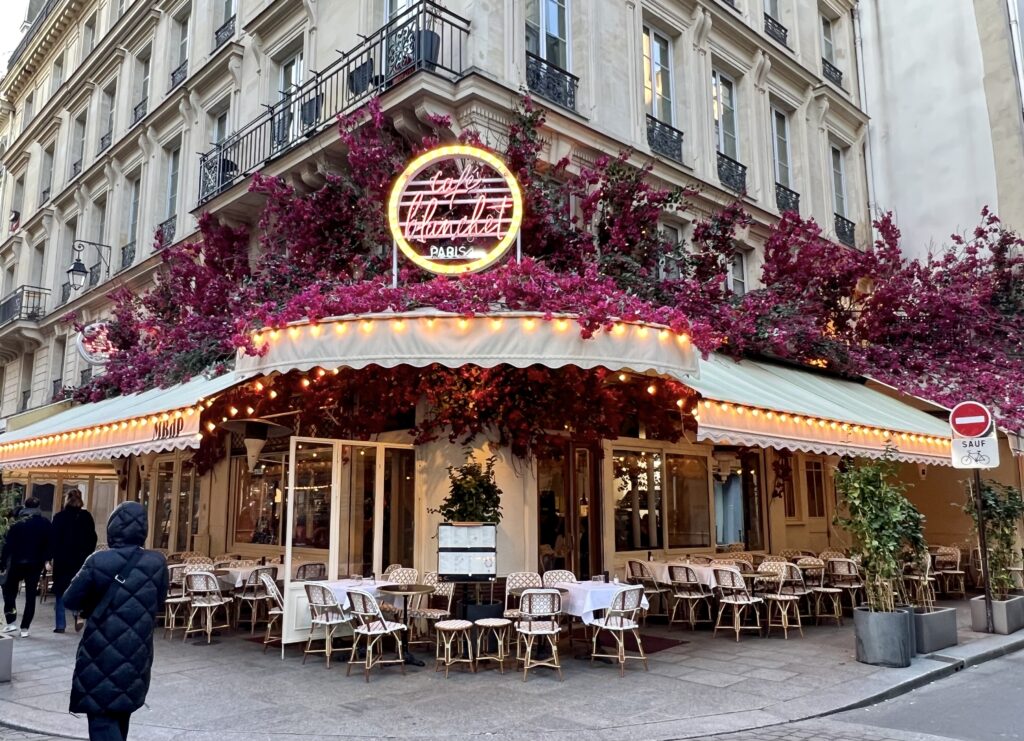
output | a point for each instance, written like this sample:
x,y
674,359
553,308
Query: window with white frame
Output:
x,y
723,105
780,144
18,197
46,174
220,126
291,74
814,480
28,111
100,229
398,6
672,234
134,193
78,144
88,35
107,109
57,76
658,76
737,278
839,180
142,84
828,47
547,31
227,11
181,38
173,163
771,7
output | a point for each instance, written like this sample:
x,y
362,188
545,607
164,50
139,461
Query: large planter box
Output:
x,y
935,630
1007,615
911,626
882,638
6,658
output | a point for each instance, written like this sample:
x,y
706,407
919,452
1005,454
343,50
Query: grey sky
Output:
x,y
12,15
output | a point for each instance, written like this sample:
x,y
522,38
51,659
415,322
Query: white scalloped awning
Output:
x,y
769,405
426,337
151,421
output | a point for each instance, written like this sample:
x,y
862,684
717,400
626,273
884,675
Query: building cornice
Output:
x,y
46,36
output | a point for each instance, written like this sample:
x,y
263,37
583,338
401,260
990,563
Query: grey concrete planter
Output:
x,y
882,638
935,630
911,626
1007,615
6,658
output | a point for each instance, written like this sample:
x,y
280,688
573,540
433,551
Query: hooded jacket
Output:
x,y
74,538
116,652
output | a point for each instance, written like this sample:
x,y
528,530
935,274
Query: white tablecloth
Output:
x,y
238,575
587,597
340,588
661,573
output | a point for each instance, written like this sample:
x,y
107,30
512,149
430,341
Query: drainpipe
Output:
x,y
858,43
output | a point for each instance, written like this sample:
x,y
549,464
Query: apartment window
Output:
x,y
142,92
227,10
737,278
814,477
18,199
790,504
547,32
828,49
9,277
46,175
88,35
220,127
28,363
57,77
780,141
839,180
668,268
28,112
107,104
291,74
723,105
398,6
101,221
771,7
38,264
173,161
181,24
134,192
658,76
77,144
57,372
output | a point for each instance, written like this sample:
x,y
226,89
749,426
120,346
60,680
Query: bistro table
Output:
x,y
405,591
238,575
340,588
584,598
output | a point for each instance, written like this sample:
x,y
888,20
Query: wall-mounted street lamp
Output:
x,y
78,273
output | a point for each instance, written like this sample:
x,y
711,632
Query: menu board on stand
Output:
x,y
467,551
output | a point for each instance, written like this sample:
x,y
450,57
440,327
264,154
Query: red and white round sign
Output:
x,y
970,419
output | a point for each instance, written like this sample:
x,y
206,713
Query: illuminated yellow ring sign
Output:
x,y
460,218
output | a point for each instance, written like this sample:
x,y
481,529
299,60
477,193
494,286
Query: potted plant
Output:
x,y
883,524
8,501
473,496
1003,507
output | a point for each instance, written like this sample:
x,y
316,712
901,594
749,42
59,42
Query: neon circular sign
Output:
x,y
455,209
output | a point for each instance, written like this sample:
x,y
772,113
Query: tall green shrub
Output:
x,y
885,526
1003,507
473,494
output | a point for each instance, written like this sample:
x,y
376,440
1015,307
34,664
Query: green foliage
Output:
x,y
883,523
1003,508
474,495
8,501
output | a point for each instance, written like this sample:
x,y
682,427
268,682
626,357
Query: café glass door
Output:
x,y
568,532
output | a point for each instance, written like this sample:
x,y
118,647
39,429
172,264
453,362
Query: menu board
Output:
x,y
467,551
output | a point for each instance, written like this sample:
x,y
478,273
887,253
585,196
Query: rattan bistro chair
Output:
x,y
311,572
518,581
620,617
827,601
784,600
324,612
176,601
689,592
640,574
254,594
444,591
951,578
204,596
844,574
371,629
539,610
392,568
733,595
275,609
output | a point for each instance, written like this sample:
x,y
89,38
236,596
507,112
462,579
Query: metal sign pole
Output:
x,y
394,264
519,246
983,548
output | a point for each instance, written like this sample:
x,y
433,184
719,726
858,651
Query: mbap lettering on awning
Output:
x,y
455,209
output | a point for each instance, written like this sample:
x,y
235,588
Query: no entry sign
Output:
x,y
970,419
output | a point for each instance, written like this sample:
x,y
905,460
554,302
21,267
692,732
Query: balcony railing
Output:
x,y
178,74
127,255
84,377
223,33
551,82
76,167
775,29
44,195
95,271
60,391
845,230
732,173
26,399
65,293
165,231
27,303
139,110
425,37
105,142
831,72
664,139
786,199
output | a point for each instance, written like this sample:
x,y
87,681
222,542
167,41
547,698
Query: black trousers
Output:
x,y
28,573
108,726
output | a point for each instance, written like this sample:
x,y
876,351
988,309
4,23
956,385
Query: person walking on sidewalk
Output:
x,y
25,553
120,591
74,538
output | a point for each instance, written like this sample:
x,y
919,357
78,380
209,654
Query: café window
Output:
x,y
171,492
261,500
739,498
661,500
814,478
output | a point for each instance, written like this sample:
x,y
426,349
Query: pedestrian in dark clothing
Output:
x,y
25,553
74,538
116,652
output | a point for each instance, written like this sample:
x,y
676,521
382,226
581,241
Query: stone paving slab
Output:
x,y
232,690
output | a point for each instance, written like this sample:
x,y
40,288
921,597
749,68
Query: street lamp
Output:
x,y
78,272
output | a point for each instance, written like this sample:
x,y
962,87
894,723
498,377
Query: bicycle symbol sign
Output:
x,y
974,443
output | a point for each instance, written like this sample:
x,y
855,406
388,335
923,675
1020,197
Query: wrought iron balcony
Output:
x,y
105,141
223,33
27,303
95,271
84,377
425,37
178,74
127,255
845,230
786,199
165,231
26,398
65,293
551,82
139,110
664,139
60,391
775,29
76,167
732,174
832,73
44,195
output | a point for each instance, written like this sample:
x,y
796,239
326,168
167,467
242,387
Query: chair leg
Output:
x,y
351,656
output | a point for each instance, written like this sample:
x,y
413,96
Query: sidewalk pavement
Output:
x,y
232,690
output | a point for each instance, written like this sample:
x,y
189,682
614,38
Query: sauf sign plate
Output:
x,y
974,438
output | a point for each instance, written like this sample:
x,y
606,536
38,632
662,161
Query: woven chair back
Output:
x,y
268,583
626,601
404,576
555,577
311,571
392,568
538,603
682,575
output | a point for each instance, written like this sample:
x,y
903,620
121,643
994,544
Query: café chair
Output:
x,y
275,609
620,617
443,590
254,595
951,578
641,575
828,601
689,592
734,596
844,574
324,612
311,572
370,630
176,599
204,596
539,610
783,597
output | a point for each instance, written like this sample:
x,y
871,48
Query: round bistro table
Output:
x,y
405,591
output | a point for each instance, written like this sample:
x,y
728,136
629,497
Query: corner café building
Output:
x,y
754,465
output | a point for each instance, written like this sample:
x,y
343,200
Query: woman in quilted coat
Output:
x,y
116,652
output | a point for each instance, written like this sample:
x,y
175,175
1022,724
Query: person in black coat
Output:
x,y
74,538
25,553
115,655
